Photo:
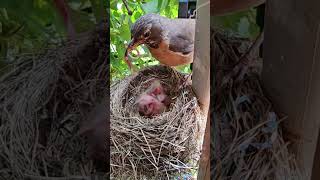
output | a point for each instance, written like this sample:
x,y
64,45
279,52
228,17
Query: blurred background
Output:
x,y
29,26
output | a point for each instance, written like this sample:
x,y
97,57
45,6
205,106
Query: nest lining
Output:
x,y
157,147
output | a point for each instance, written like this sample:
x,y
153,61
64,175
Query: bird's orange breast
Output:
x,y
170,58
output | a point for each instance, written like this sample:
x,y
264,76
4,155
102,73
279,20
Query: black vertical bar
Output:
x,y
260,23
183,9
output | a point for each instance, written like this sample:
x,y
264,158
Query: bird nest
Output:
x,y
44,97
158,147
247,142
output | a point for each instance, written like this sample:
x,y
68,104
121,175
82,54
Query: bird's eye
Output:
x,y
147,34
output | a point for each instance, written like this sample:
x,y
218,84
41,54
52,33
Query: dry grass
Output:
x,y
44,96
247,141
156,148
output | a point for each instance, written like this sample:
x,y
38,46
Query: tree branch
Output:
x,y
127,7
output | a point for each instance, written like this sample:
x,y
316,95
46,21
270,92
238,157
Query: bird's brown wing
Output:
x,y
180,43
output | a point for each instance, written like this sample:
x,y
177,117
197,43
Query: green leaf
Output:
x,y
113,4
121,51
114,32
99,9
136,16
125,32
243,27
242,23
162,4
150,7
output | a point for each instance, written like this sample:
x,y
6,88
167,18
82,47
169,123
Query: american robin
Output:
x,y
170,41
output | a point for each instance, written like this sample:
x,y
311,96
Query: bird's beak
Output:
x,y
133,44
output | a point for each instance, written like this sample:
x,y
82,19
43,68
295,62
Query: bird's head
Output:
x,y
147,30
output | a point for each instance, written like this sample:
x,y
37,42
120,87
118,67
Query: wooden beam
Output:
x,y
201,80
316,164
201,63
204,165
291,71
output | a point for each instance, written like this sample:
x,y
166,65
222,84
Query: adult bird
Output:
x,y
170,41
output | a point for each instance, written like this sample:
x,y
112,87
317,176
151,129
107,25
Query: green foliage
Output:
x,y
120,32
242,23
27,26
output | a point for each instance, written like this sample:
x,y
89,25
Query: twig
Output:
x,y
238,68
255,46
127,7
